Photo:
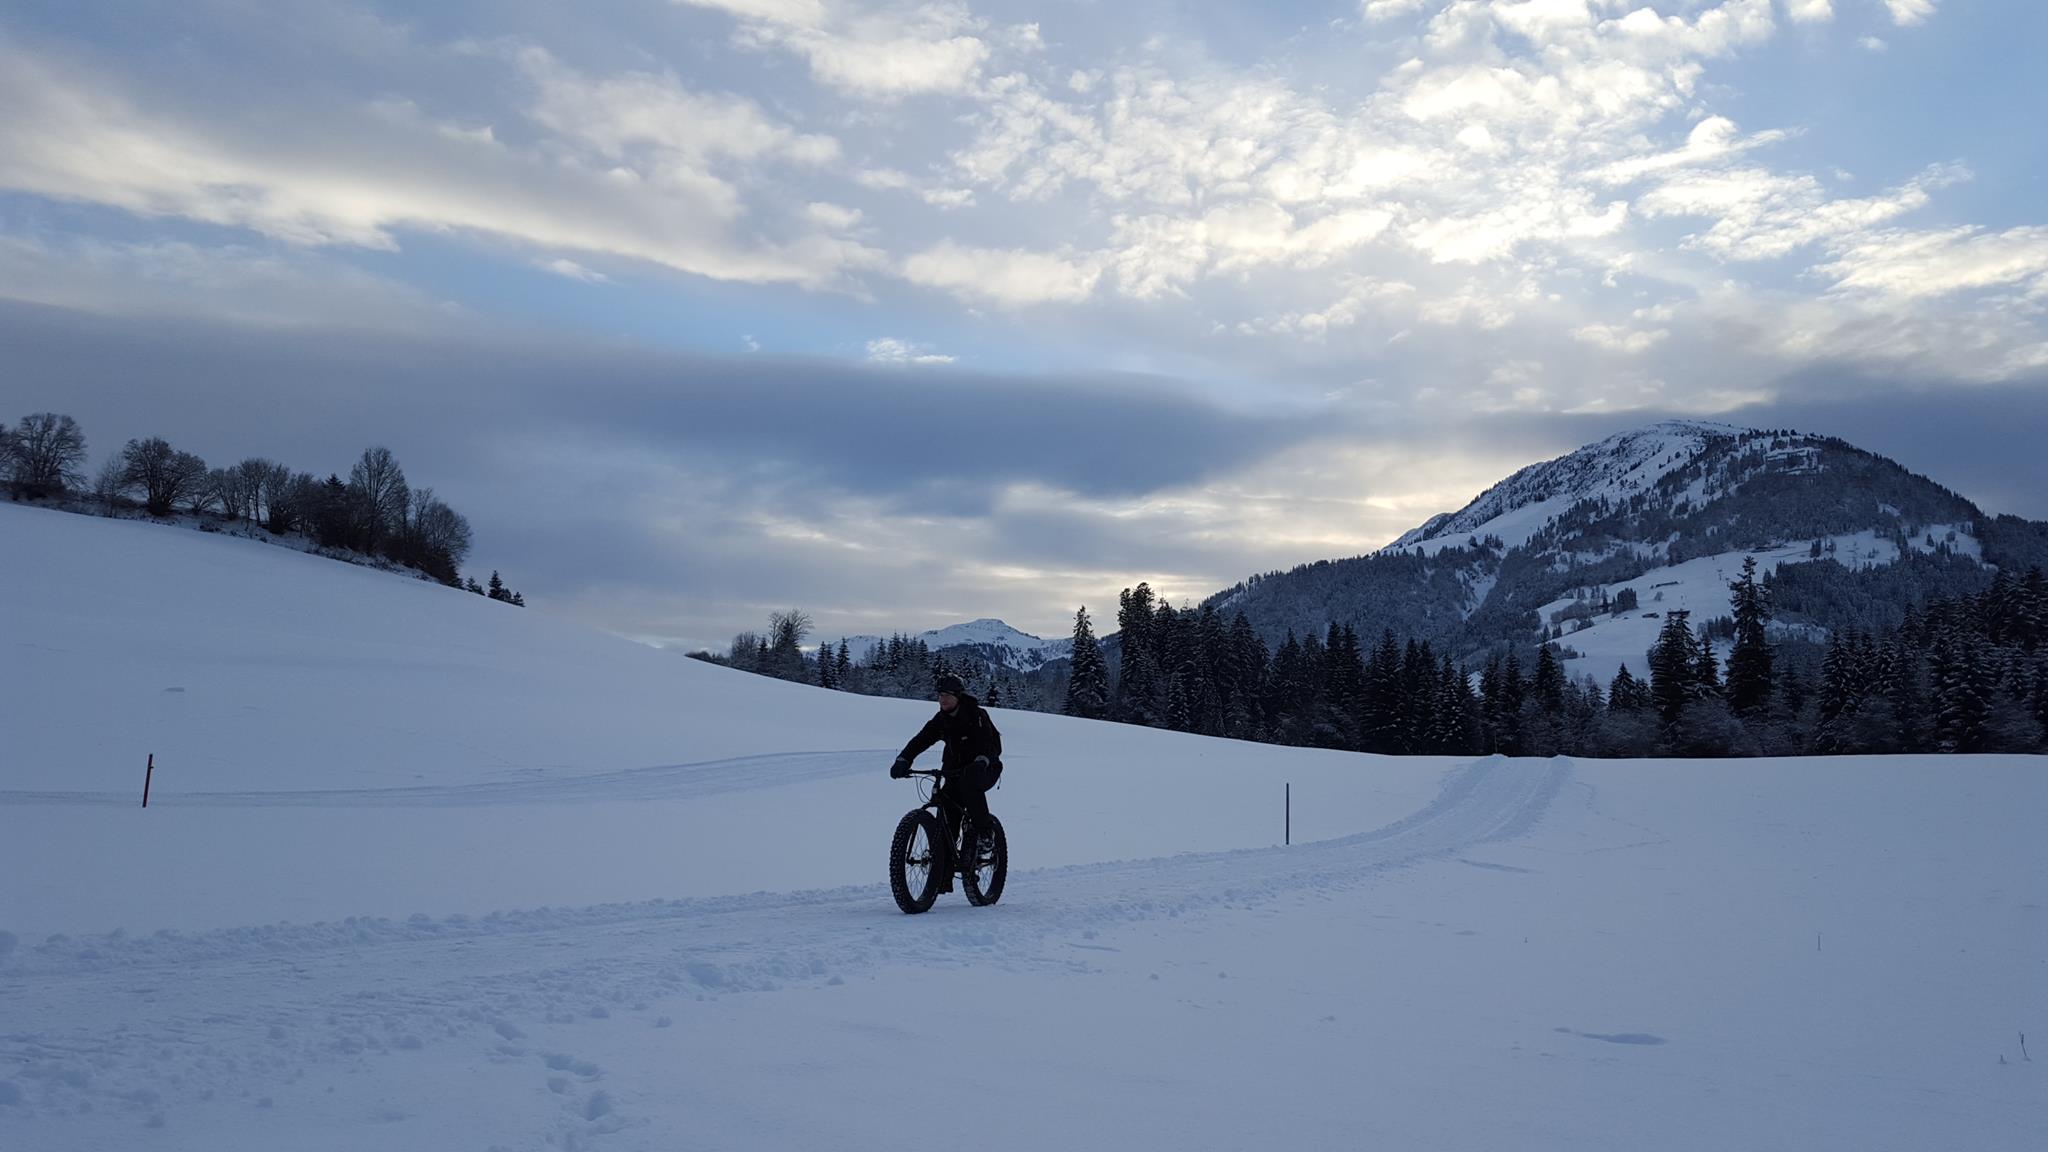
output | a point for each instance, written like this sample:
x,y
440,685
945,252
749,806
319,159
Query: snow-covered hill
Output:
x,y
1621,466
1667,511
425,872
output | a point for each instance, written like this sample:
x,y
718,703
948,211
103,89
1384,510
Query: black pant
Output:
x,y
967,788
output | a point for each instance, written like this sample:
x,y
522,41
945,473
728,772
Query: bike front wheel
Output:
x,y
914,863
988,866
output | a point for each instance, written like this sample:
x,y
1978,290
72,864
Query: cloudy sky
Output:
x,y
913,312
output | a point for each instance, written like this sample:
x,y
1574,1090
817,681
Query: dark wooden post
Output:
x,y
1290,812
146,774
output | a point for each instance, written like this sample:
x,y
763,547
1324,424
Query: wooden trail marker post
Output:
x,y
146,774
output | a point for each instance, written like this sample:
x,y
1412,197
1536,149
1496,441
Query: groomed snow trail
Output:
x,y
121,1022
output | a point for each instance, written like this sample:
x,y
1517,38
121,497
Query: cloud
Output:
x,y
883,53
1376,10
1624,340
1761,215
638,168
833,217
1531,206
1913,266
269,286
1712,139
1810,11
1906,13
1362,298
573,271
890,350
1010,278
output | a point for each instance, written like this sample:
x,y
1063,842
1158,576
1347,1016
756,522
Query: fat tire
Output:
x,y
899,851
979,894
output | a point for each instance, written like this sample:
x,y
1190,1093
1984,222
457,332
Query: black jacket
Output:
x,y
965,731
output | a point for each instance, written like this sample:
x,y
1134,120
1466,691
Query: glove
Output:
x,y
900,769
981,762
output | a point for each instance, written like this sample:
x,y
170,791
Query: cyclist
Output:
x,y
973,757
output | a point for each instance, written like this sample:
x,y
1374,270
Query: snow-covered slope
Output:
x,y
424,872
1618,467
992,640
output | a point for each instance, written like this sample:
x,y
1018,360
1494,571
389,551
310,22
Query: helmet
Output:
x,y
950,685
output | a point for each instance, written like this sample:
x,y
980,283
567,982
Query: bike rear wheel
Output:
x,y
988,868
915,861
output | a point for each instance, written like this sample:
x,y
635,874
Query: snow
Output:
x,y
1700,586
1615,468
438,873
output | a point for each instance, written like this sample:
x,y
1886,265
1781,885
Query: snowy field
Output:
x,y
426,872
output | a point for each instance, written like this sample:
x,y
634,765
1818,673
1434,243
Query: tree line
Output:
x,y
900,667
1961,674
376,512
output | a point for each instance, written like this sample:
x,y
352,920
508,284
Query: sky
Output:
x,y
910,313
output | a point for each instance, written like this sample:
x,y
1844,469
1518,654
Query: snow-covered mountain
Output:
x,y
991,640
1616,468
1668,512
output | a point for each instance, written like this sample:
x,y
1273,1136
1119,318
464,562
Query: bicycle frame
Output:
x,y
949,812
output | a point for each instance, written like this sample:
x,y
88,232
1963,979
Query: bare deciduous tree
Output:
x,y
222,490
377,486
164,474
282,511
45,454
746,650
440,528
110,485
250,475
786,632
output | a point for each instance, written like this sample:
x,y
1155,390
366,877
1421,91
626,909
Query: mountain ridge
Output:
x,y
1668,511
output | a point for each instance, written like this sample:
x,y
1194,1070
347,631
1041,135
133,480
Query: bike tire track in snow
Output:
x,y
115,1020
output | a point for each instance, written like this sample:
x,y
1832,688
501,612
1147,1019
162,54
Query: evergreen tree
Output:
x,y
1962,704
471,585
1904,694
1137,687
842,664
1418,692
1286,689
1343,687
1088,682
1548,683
1749,664
1626,693
497,588
1674,659
1507,725
825,679
1706,672
1453,724
1380,688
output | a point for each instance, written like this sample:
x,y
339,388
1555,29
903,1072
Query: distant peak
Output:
x,y
1623,463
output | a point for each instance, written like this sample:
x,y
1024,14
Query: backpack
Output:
x,y
995,739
